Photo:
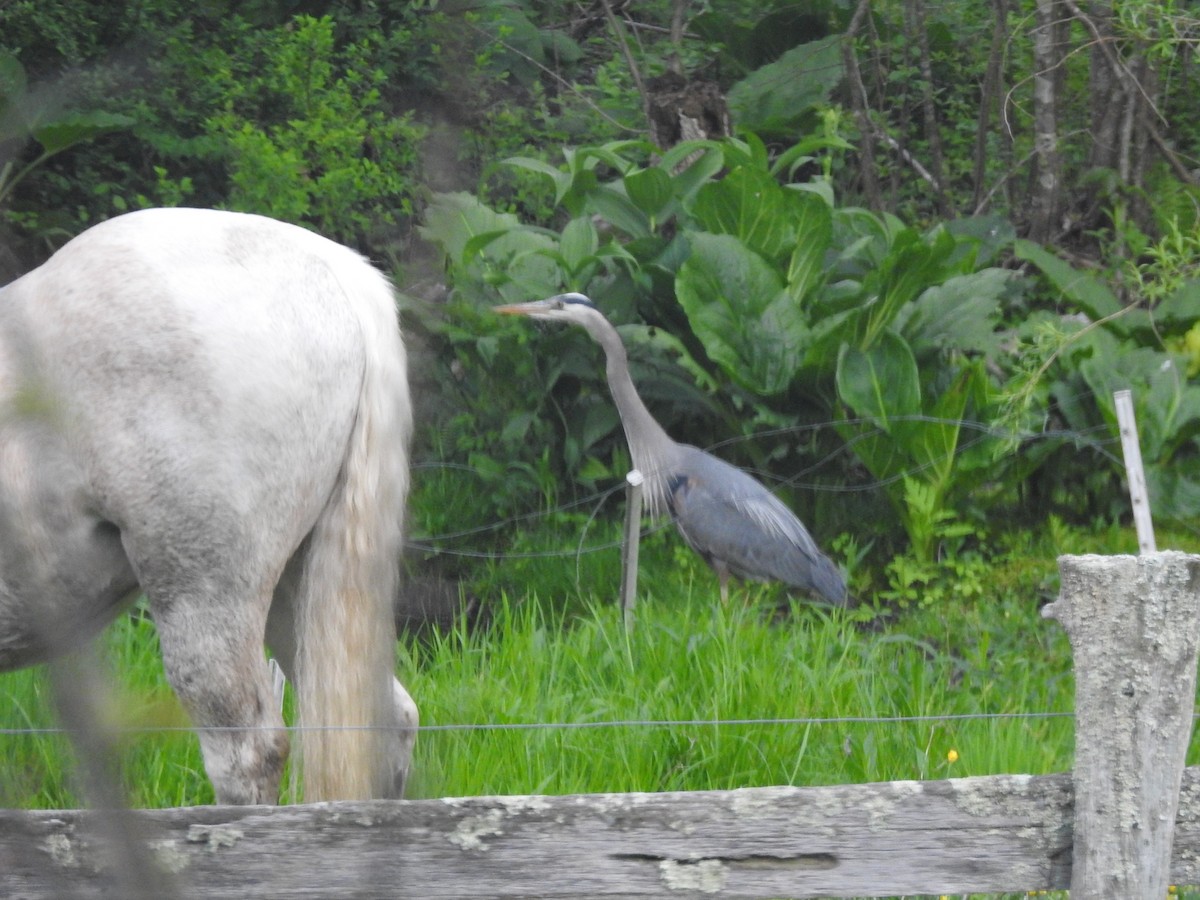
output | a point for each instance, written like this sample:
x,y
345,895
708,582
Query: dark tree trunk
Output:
x,y
990,99
1044,212
919,34
1123,86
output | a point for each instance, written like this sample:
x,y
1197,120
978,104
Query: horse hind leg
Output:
x,y
281,638
212,652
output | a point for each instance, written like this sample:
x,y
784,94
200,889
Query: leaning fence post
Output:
x,y
1138,495
629,555
1133,622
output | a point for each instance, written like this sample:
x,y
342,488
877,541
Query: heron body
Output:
x,y
737,525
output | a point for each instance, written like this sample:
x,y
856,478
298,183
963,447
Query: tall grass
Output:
x,y
698,696
707,697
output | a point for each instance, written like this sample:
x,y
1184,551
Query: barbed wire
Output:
x,y
805,721
1097,438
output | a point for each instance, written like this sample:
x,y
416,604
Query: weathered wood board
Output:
x,y
1000,833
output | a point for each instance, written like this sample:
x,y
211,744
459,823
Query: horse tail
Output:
x,y
345,622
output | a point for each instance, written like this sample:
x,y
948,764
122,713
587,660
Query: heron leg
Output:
x,y
722,571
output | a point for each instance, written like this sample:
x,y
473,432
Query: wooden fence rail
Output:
x,y
1125,822
988,834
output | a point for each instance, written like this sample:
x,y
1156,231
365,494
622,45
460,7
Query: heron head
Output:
x,y
571,307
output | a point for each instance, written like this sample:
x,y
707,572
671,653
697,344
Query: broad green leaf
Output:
x,y
772,97
617,252
12,92
993,234
798,154
661,341
881,386
517,426
1083,289
560,46
961,314
649,190
478,243
614,154
752,207
1174,492
911,265
933,440
518,43
519,268
12,77
814,230
1167,411
830,331
1180,308
579,242
453,219
760,157
1167,406
619,211
700,170
69,129
737,306
597,422
562,180
880,383
822,189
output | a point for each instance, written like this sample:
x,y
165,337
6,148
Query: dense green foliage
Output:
x,y
828,333
794,310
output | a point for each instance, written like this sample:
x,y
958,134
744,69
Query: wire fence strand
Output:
x,y
790,721
1098,439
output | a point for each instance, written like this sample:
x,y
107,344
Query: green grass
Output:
x,y
556,653
696,662
562,656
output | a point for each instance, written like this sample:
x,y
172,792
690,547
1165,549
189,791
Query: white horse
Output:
x,y
213,407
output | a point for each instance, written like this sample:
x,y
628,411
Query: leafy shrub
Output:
x,y
243,107
1142,347
307,139
790,312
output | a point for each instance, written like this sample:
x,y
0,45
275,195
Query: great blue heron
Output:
x,y
736,524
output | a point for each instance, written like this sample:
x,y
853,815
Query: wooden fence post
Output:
x,y
1139,496
1133,622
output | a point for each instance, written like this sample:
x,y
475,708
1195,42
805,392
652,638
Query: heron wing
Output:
x,y
729,518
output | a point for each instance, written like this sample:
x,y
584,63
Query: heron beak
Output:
x,y
521,309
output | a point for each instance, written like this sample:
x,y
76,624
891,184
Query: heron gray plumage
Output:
x,y
725,515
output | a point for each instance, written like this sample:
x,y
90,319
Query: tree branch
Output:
x,y
860,105
634,71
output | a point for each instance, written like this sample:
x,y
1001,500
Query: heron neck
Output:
x,y
648,442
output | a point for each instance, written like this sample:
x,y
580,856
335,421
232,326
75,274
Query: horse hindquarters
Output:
x,y
229,385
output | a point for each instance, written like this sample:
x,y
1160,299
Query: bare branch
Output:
x,y
860,104
990,95
623,43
